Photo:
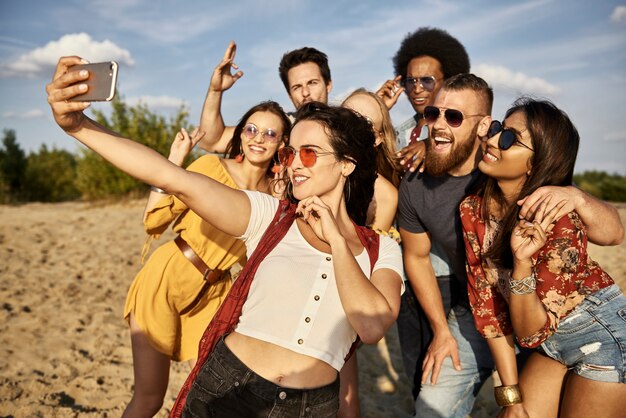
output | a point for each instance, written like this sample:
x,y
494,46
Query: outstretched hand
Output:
x,y
222,78
182,145
68,115
390,91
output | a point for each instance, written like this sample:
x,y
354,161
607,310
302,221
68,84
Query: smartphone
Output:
x,y
101,81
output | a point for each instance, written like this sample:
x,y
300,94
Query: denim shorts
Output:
x,y
591,340
225,387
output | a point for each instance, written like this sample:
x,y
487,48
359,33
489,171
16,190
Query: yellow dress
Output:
x,y
168,283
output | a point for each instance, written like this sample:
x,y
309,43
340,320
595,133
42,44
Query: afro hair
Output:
x,y
435,43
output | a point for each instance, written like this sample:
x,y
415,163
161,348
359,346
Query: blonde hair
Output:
x,y
386,163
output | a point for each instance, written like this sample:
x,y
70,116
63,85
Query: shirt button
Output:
x,y
328,258
316,297
300,341
236,384
324,276
307,319
282,395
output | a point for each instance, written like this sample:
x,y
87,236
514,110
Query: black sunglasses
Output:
x,y
453,117
507,138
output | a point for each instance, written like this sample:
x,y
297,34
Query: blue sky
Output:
x,y
572,52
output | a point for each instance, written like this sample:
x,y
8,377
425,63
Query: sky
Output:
x,y
572,52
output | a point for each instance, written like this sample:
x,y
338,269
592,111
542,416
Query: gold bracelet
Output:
x,y
508,395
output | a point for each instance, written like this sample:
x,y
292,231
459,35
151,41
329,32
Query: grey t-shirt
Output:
x,y
431,204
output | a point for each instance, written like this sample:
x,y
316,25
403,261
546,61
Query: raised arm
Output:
x,y
419,270
217,135
604,226
213,201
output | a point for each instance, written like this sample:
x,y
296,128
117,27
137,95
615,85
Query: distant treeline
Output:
x,y
52,175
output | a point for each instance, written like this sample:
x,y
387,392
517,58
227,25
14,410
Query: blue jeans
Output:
x,y
455,392
591,340
225,387
414,331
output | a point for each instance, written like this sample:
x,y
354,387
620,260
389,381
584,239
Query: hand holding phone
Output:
x,y
101,81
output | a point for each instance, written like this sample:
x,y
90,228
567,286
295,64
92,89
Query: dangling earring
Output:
x,y
239,157
347,193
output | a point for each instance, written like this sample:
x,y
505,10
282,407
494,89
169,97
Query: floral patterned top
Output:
x,y
565,274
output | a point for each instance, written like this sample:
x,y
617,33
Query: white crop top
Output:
x,y
293,300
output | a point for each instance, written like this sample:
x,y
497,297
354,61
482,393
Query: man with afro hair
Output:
x,y
426,57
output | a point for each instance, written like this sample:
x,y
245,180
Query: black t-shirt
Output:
x,y
431,204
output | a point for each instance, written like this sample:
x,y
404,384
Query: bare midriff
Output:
x,y
279,365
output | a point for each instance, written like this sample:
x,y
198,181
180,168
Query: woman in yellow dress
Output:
x,y
175,295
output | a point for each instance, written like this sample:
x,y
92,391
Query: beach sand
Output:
x,y
64,347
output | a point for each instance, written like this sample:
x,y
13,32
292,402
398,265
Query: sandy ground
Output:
x,y
64,348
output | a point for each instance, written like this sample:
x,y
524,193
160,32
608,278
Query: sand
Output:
x,y
64,347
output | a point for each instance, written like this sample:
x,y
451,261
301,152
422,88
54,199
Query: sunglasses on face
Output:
x,y
425,82
308,155
508,137
251,131
453,117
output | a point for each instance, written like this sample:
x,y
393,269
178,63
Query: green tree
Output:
x,y
611,187
50,176
96,178
12,167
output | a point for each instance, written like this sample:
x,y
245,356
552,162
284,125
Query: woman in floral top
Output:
x,y
536,280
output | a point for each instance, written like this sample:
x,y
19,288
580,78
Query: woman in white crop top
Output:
x,y
312,294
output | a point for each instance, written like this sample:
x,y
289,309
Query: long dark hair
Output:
x,y
555,141
351,138
234,146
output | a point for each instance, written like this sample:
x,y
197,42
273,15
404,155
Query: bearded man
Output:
x,y
428,216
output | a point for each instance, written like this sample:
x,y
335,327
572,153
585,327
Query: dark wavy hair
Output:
x,y
234,146
435,43
555,141
351,138
301,56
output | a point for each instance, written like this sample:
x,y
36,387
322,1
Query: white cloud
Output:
x,y
157,102
619,14
30,114
41,60
615,136
498,76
